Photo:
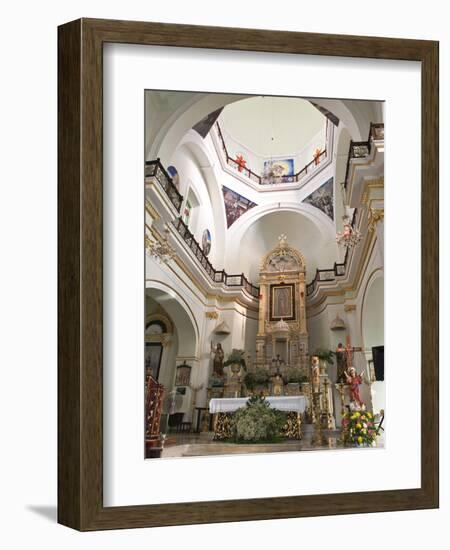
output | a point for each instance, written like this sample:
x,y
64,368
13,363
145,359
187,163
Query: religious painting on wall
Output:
x,y
323,198
183,376
206,242
153,355
187,211
173,173
282,167
250,319
282,305
235,205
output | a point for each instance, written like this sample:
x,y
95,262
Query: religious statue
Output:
x,y
218,359
341,361
277,384
315,374
354,381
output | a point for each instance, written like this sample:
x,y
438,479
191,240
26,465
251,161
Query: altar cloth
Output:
x,y
287,403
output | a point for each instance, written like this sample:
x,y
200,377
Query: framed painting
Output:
x,y
232,313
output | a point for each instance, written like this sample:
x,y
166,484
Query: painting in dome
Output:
x,y
323,198
235,205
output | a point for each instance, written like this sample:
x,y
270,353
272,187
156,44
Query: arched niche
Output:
x,y
180,317
372,312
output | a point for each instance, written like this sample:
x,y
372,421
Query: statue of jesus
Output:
x,y
354,381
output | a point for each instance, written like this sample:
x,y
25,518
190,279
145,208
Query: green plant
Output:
x,y
295,376
257,422
260,377
236,357
325,355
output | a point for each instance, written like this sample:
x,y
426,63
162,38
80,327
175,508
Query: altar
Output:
x,y
285,403
223,408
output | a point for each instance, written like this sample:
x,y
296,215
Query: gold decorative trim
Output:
x,y
374,215
211,315
349,307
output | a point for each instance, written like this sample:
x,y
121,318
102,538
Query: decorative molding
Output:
x,y
349,307
211,315
375,215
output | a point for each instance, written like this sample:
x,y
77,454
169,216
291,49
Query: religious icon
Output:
x,y
206,242
282,302
218,359
354,381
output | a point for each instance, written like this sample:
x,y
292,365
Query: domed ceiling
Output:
x,y
272,126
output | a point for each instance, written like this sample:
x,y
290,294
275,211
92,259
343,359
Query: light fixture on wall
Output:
x,y
160,249
350,236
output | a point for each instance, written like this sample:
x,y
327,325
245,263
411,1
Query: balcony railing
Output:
x,y
361,149
264,180
214,275
154,168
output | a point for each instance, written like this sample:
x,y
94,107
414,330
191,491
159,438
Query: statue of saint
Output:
x,y
354,381
341,361
315,374
218,359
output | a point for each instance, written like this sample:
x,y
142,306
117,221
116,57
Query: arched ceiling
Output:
x,y
301,233
272,126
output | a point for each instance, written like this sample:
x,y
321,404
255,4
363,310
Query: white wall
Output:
x,y
28,224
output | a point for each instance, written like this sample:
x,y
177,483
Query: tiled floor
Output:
x,y
186,444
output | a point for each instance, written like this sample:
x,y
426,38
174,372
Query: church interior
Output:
x,y
264,286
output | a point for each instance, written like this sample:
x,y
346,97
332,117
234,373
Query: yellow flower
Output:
x,y
358,426
364,431
357,414
360,440
369,414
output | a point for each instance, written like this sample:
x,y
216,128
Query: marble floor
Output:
x,y
194,444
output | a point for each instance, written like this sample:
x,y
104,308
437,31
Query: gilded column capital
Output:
x,y
375,215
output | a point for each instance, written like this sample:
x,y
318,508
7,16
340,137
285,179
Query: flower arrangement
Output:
x,y
257,422
360,428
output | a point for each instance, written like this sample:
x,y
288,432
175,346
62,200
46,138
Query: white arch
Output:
x,y
178,308
377,275
323,223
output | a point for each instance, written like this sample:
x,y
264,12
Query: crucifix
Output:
x,y
344,358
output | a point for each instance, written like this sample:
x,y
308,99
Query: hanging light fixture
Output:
x,y
350,236
160,250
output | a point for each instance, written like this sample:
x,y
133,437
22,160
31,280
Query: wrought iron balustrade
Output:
x,y
265,180
154,168
362,149
217,276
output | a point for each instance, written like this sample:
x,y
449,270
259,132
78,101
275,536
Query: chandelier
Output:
x,y
160,250
350,236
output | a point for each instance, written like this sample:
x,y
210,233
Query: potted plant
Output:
x,y
237,361
325,358
257,380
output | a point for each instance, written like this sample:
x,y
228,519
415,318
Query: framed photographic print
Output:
x,y
235,254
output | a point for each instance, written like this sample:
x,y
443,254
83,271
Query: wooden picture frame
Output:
x,y
80,272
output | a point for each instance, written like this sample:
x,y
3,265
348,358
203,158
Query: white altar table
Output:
x,y
287,403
